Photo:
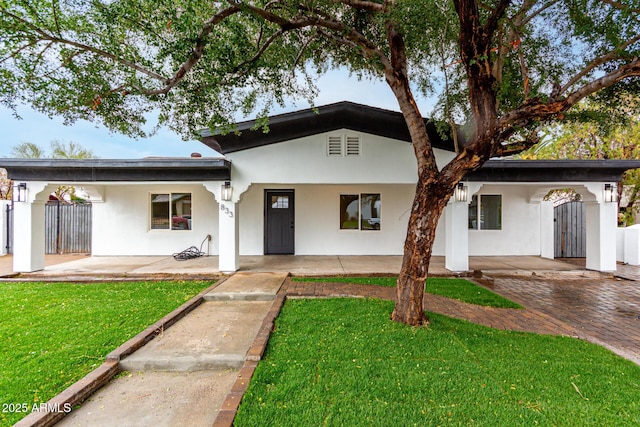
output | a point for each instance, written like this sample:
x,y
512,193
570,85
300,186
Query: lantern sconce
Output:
x,y
226,191
19,193
610,193
461,192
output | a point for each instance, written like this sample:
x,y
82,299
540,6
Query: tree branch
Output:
x,y
54,5
503,150
197,52
611,55
398,79
363,5
539,11
496,14
47,37
621,6
17,51
544,111
260,51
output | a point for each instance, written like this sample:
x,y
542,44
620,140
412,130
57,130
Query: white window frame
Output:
x,y
171,213
374,226
479,212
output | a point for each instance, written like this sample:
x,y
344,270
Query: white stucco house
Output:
x,y
338,180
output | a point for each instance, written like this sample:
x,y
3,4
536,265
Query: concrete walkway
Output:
x,y
6,261
184,375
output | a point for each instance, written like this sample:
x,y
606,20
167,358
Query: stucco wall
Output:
x,y
305,160
520,234
317,218
122,221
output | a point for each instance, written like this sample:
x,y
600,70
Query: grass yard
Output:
x,y
341,362
458,289
53,334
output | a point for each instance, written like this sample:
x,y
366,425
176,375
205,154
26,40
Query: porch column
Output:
x,y
4,236
28,236
547,230
602,223
228,233
457,235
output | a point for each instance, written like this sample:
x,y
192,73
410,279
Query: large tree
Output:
x,y
501,66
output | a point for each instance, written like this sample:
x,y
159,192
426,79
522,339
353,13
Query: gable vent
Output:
x,y
334,146
353,146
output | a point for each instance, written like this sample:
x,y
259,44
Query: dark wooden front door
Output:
x,y
279,222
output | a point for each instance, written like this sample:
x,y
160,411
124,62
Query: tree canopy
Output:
x,y
58,150
501,67
200,62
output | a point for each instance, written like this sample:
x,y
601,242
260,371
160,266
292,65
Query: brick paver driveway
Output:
x,y
602,310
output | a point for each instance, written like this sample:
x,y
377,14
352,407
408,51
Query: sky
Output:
x,y
37,128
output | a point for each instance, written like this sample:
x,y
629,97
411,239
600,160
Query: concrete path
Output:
x,y
183,376
6,261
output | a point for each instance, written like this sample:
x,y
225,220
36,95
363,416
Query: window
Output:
x,y
343,145
485,213
280,202
171,211
360,211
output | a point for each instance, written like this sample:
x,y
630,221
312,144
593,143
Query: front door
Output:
x,y
279,224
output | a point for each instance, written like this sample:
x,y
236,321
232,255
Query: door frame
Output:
x,y
291,208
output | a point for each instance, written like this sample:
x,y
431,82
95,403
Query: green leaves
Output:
x,y
198,63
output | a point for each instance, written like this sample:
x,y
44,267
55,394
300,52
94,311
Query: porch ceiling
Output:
x,y
102,170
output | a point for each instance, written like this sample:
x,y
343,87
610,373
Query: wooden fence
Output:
x,y
67,228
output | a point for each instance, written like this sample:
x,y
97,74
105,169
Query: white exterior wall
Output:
x,y
317,221
520,234
305,161
121,223
385,166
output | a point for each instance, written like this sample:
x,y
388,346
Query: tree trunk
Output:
x,y
428,205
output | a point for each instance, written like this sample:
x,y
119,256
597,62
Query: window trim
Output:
x,y
479,211
170,195
359,198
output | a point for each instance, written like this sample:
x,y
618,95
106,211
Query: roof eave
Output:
x,y
98,170
552,170
299,124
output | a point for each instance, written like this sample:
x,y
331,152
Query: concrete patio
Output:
x,y
69,266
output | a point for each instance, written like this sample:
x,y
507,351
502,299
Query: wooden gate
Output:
x,y
67,228
570,230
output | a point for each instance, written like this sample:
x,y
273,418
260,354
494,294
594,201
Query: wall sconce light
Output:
x,y
610,193
461,192
19,193
226,191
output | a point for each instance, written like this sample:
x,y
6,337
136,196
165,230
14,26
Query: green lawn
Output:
x,y
342,362
53,334
458,289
